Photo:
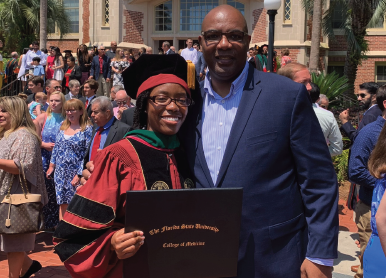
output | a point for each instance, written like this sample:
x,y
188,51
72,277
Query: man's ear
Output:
x,y
384,104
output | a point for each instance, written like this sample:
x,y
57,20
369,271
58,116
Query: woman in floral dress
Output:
x,y
48,125
70,148
118,65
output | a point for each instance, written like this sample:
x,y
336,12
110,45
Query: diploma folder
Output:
x,y
189,233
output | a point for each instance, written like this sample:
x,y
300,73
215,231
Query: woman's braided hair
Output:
x,y
140,115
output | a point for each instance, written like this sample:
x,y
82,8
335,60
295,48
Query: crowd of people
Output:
x,y
67,135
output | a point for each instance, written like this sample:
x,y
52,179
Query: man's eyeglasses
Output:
x,y
102,49
216,36
164,101
58,87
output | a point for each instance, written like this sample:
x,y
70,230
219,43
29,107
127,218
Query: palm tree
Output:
x,y
43,23
316,31
20,20
357,16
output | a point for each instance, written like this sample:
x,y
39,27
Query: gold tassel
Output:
x,y
191,75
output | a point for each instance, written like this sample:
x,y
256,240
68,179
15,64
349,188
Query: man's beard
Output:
x,y
365,105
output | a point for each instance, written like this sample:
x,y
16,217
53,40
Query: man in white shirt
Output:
x,y
328,123
35,52
189,53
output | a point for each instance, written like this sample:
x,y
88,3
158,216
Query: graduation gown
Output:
x,y
83,239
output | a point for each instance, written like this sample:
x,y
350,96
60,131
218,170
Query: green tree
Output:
x,y
20,21
357,16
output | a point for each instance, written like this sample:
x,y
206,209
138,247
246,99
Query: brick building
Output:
x,y
136,23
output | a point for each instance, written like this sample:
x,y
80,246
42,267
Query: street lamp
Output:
x,y
271,6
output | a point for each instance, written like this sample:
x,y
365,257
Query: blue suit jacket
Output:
x,y
276,151
95,67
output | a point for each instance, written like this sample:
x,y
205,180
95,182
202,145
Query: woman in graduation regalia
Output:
x,y
90,240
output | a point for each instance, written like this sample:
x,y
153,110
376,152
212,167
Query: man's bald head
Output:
x,y
122,99
225,12
121,94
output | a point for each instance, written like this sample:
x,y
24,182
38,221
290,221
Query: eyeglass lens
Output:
x,y
216,36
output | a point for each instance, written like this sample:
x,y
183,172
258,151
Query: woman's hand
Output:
x,y
48,146
75,181
53,68
50,170
126,245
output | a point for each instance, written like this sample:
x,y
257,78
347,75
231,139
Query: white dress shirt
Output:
x,y
190,54
330,130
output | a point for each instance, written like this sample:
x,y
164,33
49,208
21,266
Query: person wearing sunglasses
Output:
x,y
123,102
148,158
367,100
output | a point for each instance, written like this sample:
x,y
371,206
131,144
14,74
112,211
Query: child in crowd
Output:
x,y
40,101
38,69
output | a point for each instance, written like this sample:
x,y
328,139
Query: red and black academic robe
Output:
x,y
83,239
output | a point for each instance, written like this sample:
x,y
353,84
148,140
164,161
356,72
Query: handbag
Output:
x,y
20,213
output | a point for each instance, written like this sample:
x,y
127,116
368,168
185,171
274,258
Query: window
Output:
x,y
72,9
192,13
163,16
337,19
338,68
106,13
237,5
287,11
380,77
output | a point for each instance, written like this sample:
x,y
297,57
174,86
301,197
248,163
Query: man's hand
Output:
x,y
90,77
120,111
108,80
313,270
344,116
86,174
126,245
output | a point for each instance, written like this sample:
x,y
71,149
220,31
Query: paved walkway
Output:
x,y
53,267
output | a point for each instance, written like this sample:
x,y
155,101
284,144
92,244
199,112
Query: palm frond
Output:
x,y
379,13
331,84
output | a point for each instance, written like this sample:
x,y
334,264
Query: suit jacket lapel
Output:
x,y
248,100
112,132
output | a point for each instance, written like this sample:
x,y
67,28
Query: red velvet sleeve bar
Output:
x,y
83,239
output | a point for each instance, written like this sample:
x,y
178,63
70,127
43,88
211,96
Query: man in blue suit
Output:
x,y
101,71
258,131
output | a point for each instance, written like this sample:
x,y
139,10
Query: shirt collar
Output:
x,y
90,98
235,87
109,123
